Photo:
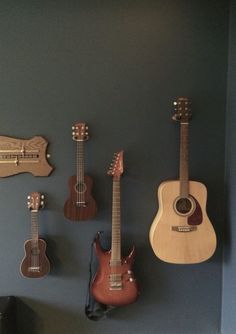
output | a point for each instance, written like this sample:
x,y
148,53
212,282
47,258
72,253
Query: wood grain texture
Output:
x,y
23,155
100,288
75,212
181,247
43,262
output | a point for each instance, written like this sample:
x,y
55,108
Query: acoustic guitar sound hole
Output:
x,y
80,187
184,206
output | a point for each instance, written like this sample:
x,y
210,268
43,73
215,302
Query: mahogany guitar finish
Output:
x,y
101,287
114,282
24,155
75,212
35,263
43,265
181,231
81,204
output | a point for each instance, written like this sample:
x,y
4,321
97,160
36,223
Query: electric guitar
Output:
x,y
81,204
114,282
35,263
181,231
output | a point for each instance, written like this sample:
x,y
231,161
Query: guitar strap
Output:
x,y
94,310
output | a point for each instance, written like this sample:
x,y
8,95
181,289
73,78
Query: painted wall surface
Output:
x,y
229,273
118,66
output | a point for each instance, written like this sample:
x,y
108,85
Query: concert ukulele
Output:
x,y
181,231
114,282
81,204
35,263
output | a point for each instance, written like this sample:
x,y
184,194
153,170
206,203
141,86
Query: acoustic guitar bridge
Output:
x,y
184,228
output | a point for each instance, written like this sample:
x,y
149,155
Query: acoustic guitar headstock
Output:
x,y
80,132
116,168
35,201
182,110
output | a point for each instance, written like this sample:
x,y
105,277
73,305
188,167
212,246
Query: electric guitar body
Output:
x,y
81,204
72,209
114,285
181,231
182,238
35,263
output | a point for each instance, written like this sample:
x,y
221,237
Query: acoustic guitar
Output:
x,y
35,263
114,283
81,204
181,231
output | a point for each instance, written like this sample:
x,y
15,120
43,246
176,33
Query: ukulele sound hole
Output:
x,y
80,187
35,251
184,206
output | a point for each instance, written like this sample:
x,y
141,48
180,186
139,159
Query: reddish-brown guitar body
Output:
x,y
72,209
43,265
101,288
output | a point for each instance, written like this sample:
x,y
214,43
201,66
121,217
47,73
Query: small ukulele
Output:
x,y
81,205
114,282
35,263
181,231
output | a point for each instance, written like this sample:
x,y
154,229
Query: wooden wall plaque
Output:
x,y
24,155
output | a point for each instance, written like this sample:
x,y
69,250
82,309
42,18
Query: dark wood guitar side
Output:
x,y
35,263
81,204
114,283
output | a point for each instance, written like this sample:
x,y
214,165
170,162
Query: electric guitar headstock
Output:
x,y
182,110
80,132
35,201
116,168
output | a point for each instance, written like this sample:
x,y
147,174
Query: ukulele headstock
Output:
x,y
182,110
80,132
35,201
117,166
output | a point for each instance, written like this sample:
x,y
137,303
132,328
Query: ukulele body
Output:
x,y
182,239
35,268
74,210
105,288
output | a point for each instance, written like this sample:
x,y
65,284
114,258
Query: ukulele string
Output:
x,y
34,240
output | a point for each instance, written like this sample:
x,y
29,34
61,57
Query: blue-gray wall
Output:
x,y
229,271
117,65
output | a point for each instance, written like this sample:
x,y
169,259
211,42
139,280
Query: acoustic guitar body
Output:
x,y
114,285
182,238
35,263
81,205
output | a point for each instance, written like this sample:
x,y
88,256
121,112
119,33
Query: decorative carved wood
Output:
x,y
24,155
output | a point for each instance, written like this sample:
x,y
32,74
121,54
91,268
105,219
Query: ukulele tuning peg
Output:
x,y
42,203
175,103
73,127
42,196
28,197
86,127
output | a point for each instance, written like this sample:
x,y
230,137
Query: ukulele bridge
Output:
x,y
34,269
184,228
115,281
